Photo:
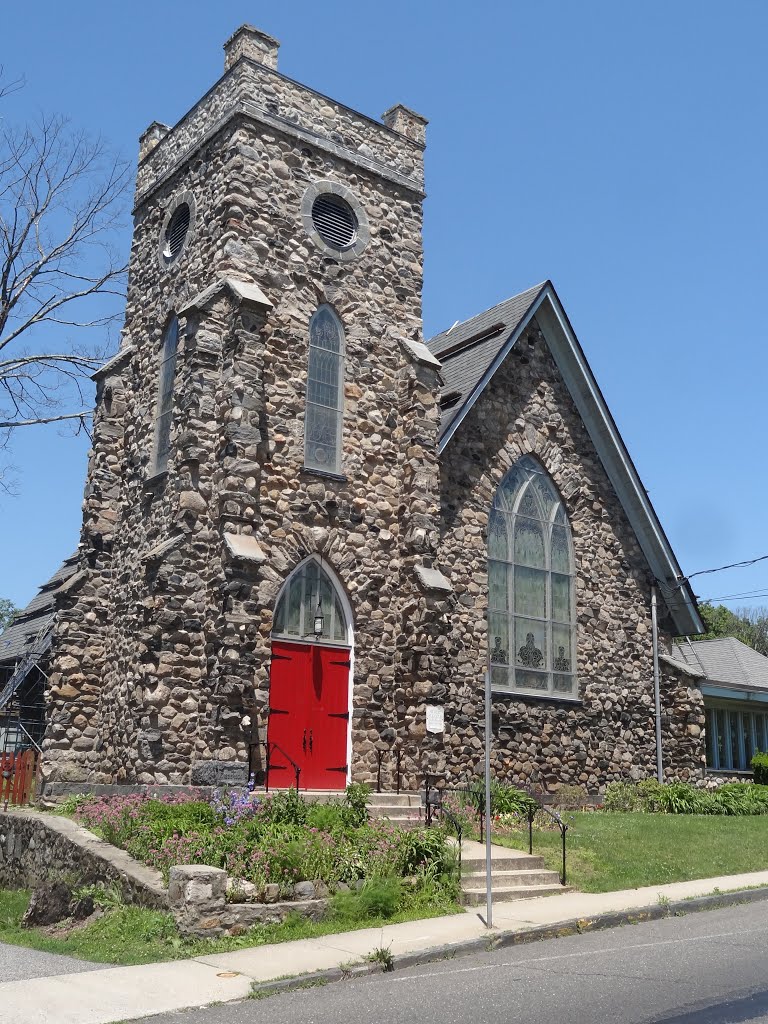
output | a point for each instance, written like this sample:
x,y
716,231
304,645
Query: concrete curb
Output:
x,y
503,939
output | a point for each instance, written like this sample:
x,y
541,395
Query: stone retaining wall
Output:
x,y
198,899
35,847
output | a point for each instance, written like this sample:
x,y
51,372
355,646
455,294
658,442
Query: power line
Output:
x,y
733,565
759,592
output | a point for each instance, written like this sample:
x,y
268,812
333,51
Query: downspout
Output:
x,y
656,686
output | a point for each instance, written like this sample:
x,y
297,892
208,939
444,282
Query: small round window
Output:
x,y
176,232
334,221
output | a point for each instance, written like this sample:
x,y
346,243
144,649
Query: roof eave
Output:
x,y
573,366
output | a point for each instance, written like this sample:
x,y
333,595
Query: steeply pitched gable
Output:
x,y
470,353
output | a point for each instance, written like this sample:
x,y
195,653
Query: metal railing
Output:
x,y
296,768
532,812
474,796
397,751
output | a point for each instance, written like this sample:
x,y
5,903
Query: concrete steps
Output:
x,y
402,809
514,875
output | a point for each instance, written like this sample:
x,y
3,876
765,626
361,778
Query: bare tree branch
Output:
x,y
62,198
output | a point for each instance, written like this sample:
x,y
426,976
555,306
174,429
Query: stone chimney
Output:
x,y
407,122
150,138
250,42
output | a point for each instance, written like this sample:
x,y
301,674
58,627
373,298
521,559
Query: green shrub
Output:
x,y
759,765
326,817
378,897
621,796
420,847
742,798
284,806
356,797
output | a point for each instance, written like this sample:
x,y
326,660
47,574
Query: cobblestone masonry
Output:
x,y
163,640
36,848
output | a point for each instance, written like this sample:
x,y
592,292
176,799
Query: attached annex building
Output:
x,y
300,519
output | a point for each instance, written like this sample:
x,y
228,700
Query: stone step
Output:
x,y
520,862
507,879
476,897
394,800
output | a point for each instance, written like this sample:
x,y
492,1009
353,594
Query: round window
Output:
x,y
176,232
334,220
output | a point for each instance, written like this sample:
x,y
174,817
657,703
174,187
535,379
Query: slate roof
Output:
x,y
36,619
464,365
726,661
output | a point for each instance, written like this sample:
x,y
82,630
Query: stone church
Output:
x,y
308,532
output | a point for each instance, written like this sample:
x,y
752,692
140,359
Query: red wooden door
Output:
x,y
308,716
326,763
287,712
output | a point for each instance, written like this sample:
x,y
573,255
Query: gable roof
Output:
x,y
466,350
470,354
727,661
29,628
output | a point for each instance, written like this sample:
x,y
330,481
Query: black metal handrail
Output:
x,y
296,768
380,755
563,826
475,797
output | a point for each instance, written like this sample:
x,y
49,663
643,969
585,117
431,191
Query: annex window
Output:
x,y
531,618
734,736
308,594
164,413
325,392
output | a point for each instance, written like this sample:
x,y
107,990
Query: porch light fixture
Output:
x,y
319,621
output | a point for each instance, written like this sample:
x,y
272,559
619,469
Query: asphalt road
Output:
x,y
704,968
18,963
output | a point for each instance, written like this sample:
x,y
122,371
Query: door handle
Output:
x,y
304,742
310,741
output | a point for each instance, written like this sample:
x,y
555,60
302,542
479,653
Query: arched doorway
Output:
x,y
309,686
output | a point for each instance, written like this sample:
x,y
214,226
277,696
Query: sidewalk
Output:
x,y
126,993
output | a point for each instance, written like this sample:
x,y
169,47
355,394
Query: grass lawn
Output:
x,y
611,850
134,935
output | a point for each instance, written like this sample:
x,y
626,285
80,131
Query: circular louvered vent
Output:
x,y
334,221
176,232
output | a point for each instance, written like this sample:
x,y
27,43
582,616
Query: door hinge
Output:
x,y
277,711
339,714
342,768
281,657
346,664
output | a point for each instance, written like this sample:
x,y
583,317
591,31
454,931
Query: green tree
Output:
x,y
750,625
7,610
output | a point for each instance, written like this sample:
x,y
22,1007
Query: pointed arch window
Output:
x,y
166,380
309,592
530,586
325,392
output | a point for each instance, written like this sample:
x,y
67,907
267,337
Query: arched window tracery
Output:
x,y
531,614
310,592
164,408
325,392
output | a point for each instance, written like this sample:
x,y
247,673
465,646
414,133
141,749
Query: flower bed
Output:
x,y
650,796
274,840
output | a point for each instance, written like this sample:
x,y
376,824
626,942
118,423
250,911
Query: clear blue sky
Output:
x,y
619,149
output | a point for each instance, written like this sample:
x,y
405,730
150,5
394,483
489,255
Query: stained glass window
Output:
x,y
325,392
164,414
308,593
532,633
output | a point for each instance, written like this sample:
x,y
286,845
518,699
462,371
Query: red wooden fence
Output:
x,y
17,777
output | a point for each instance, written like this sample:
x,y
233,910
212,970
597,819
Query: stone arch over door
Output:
x,y
310,690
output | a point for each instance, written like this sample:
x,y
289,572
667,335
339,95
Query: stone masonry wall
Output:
x,y
609,732
35,848
184,651
163,644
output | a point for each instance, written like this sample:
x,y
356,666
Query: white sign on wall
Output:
x,y
435,718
